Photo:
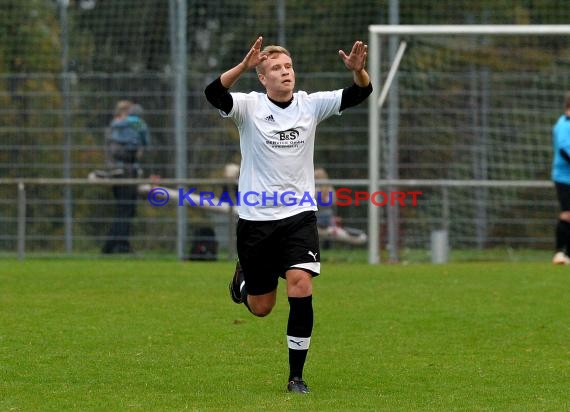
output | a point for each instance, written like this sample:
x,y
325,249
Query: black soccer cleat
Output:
x,y
297,385
236,285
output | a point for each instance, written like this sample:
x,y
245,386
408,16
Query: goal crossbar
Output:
x,y
494,29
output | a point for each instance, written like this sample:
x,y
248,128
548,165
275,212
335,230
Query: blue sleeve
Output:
x,y
144,134
142,129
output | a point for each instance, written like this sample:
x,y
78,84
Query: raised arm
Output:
x,y
217,92
251,59
355,62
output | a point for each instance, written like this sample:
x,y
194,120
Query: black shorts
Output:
x,y
563,193
267,249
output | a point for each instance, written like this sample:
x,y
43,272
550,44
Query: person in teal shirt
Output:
x,y
127,139
561,179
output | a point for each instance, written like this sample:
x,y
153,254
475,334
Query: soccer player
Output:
x,y
277,227
561,178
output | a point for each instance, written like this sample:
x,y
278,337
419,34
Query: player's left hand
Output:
x,y
356,60
254,56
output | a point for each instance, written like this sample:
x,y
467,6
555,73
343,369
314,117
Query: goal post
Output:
x,y
454,63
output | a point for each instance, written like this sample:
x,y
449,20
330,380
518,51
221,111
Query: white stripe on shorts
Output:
x,y
312,266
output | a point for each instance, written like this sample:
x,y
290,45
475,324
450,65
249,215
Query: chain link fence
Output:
x,y
64,64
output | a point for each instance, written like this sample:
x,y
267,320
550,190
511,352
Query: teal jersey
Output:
x,y
131,131
561,141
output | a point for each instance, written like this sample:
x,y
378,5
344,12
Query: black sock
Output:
x,y
299,329
562,235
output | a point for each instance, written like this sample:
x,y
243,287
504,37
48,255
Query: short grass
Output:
x,y
116,335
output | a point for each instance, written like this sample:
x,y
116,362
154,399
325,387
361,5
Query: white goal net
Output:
x,y
471,104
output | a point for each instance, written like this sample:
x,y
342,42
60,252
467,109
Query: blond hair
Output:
x,y
326,190
268,51
321,174
123,107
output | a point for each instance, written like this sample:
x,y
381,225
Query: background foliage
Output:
x,y
122,49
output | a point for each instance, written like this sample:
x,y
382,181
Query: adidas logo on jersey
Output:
x,y
270,118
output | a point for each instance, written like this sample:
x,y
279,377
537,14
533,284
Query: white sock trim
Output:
x,y
298,343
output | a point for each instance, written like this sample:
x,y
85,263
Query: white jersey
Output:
x,y
277,146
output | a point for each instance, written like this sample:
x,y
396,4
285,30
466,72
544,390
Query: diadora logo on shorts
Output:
x,y
270,118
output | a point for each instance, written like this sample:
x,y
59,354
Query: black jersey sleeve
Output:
x,y
353,95
219,96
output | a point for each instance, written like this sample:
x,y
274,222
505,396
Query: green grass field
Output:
x,y
114,335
